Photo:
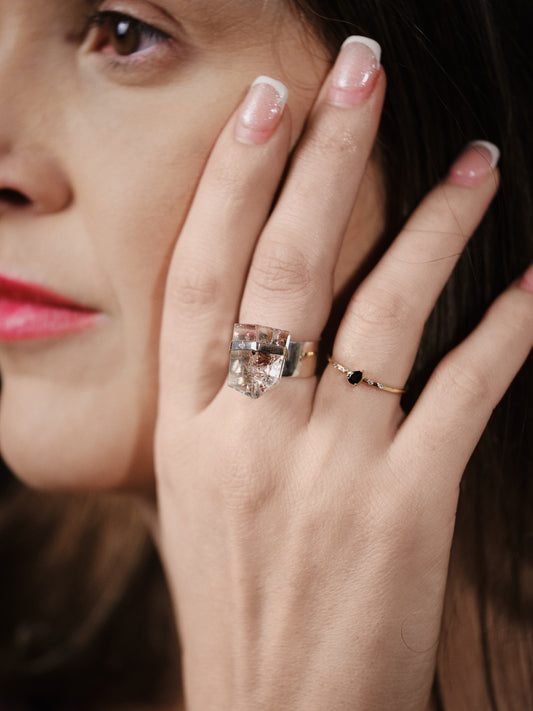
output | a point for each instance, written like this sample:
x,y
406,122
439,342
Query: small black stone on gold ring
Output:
x,y
357,376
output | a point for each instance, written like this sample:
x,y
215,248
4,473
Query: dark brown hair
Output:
x,y
85,617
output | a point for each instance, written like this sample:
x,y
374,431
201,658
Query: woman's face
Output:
x,y
104,133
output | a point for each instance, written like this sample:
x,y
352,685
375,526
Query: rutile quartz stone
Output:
x,y
257,357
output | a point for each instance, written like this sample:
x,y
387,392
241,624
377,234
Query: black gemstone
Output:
x,y
355,377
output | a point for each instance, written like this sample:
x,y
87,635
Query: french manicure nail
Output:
x,y
261,110
355,72
478,159
527,280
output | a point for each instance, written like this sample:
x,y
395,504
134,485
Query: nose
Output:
x,y
31,180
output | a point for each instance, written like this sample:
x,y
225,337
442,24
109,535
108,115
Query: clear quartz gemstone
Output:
x,y
253,372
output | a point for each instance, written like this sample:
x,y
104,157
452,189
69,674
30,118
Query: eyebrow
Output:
x,y
90,5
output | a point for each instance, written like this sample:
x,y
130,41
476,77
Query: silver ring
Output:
x,y
261,355
301,359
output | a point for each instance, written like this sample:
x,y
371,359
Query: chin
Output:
x,y
67,442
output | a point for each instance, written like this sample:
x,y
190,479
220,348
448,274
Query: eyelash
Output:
x,y
108,21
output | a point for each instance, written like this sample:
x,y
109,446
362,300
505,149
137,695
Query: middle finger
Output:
x,y
290,282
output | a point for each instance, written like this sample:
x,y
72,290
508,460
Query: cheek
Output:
x,y
91,437
142,156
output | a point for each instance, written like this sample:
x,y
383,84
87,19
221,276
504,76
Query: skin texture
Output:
x,y
306,535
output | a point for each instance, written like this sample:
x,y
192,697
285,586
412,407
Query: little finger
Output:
x,y
448,419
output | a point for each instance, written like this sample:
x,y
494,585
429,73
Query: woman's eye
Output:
x,y
124,35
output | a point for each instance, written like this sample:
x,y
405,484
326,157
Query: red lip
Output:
x,y
29,311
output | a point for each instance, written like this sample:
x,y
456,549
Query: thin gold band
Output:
x,y
357,376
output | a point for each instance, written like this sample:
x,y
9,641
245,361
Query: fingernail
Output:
x,y
478,159
261,110
527,280
355,72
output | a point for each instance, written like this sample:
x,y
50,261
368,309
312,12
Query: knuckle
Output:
x,y
444,246
242,491
518,323
283,269
467,384
385,311
436,214
234,484
237,484
194,287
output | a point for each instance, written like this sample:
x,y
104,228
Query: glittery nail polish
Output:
x,y
261,110
355,72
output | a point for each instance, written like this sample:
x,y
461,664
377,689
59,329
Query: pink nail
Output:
x,y
261,110
479,159
527,280
355,72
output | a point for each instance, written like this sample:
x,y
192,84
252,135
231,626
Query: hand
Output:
x,y
306,535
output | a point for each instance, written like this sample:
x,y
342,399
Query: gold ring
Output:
x,y
357,376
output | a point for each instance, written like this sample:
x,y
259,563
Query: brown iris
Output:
x,y
124,35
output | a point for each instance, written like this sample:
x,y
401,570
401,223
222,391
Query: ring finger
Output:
x,y
382,327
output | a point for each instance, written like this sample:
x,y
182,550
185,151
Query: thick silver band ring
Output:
x,y
261,355
300,356
301,359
